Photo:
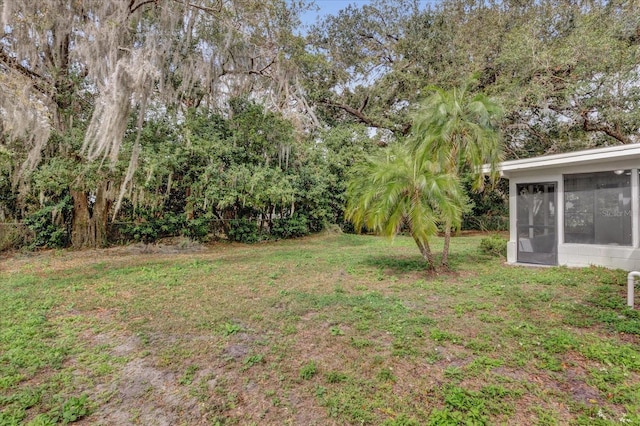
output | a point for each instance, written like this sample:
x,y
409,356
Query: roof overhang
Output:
x,y
590,156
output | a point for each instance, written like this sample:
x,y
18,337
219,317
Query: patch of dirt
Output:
x,y
237,351
131,344
140,392
149,396
512,373
581,392
223,388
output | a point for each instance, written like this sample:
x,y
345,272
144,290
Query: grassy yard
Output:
x,y
332,329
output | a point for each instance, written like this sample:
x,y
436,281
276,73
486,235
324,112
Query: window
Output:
x,y
597,208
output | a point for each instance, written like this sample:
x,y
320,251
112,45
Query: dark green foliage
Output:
x,y
489,210
8,197
488,222
494,245
243,231
50,224
153,226
245,174
290,227
199,227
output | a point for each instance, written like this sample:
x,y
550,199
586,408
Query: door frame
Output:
x,y
548,251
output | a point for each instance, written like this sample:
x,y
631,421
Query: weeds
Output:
x,y
252,360
189,375
308,370
230,329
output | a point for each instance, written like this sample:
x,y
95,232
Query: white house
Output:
x,y
575,209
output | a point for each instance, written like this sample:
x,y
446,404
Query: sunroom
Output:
x,y
576,209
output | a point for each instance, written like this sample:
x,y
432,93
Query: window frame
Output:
x,y
603,226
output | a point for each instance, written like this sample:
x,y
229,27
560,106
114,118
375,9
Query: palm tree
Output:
x,y
397,191
458,131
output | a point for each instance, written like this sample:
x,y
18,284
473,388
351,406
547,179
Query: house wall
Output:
x,y
612,256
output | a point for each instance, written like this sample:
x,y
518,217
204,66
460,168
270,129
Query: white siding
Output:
x,y
552,169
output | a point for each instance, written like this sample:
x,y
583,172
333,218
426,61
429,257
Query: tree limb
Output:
x,y
364,103
133,6
261,71
613,132
354,112
403,129
202,8
252,71
35,78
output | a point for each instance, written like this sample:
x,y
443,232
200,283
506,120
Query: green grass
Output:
x,y
334,329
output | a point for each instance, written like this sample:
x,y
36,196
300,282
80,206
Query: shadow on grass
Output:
x,y
469,257
408,264
397,264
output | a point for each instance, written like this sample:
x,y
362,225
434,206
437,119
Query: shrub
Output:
x,y
198,228
50,224
494,245
153,226
485,222
290,227
14,236
243,231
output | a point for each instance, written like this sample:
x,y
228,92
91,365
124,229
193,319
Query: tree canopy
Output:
x,y
566,72
459,133
122,111
398,190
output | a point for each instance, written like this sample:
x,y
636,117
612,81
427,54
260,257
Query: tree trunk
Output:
x,y
445,249
426,253
82,236
100,216
89,224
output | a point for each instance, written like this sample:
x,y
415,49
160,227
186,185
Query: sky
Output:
x,y
329,7
332,7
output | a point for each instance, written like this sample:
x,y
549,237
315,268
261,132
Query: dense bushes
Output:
x,y
50,225
246,176
243,231
203,228
290,227
488,210
494,245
